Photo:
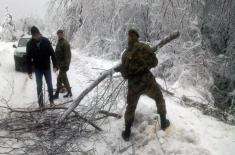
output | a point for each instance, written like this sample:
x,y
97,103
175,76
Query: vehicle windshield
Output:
x,y
23,42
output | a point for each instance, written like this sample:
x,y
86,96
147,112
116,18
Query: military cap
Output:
x,y
133,31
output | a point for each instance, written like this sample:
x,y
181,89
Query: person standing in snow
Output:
x,y
137,61
63,57
38,54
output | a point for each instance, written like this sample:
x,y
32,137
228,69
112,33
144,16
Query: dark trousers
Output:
x,y
62,79
143,85
39,73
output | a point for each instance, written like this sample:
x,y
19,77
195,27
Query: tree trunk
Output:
x,y
108,73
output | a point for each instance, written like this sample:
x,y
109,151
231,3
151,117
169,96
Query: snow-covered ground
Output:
x,y
191,132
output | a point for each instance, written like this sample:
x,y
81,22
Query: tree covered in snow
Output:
x,y
217,22
66,15
103,24
99,27
8,27
24,24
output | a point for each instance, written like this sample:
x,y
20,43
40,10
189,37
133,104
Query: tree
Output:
x,y
8,27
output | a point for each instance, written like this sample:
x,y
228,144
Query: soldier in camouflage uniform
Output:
x,y
63,57
137,61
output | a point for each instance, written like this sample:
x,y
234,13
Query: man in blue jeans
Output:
x,y
38,54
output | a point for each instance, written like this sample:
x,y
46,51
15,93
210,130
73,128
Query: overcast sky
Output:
x,y
22,8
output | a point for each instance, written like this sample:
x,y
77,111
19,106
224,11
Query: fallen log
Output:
x,y
109,72
26,110
166,40
37,110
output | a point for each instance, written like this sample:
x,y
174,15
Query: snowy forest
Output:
x,y
202,58
195,47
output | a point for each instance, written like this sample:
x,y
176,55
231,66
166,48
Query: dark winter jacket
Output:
x,y
63,54
38,54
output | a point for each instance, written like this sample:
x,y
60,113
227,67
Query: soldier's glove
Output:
x,y
113,73
118,69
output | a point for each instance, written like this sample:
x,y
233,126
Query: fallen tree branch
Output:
x,y
208,109
110,114
108,73
89,122
167,91
85,92
37,110
166,40
22,110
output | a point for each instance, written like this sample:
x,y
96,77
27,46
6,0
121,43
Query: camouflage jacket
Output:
x,y
137,60
63,53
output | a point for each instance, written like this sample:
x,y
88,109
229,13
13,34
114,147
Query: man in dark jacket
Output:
x,y
137,61
63,57
38,53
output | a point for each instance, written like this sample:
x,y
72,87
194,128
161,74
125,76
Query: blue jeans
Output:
x,y
39,73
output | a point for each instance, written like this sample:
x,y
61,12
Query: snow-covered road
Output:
x,y
191,132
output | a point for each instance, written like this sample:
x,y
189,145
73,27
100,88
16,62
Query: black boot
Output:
x,y
41,105
69,94
52,104
127,132
56,95
165,123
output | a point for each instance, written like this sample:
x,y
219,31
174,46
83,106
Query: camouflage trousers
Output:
x,y
144,84
62,80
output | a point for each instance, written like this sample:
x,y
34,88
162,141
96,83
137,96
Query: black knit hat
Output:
x,y
133,31
60,31
34,30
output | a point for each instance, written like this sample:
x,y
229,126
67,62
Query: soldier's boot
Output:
x,y
41,106
127,132
69,94
165,123
56,95
52,104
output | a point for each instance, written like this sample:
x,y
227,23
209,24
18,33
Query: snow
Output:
x,y
191,132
